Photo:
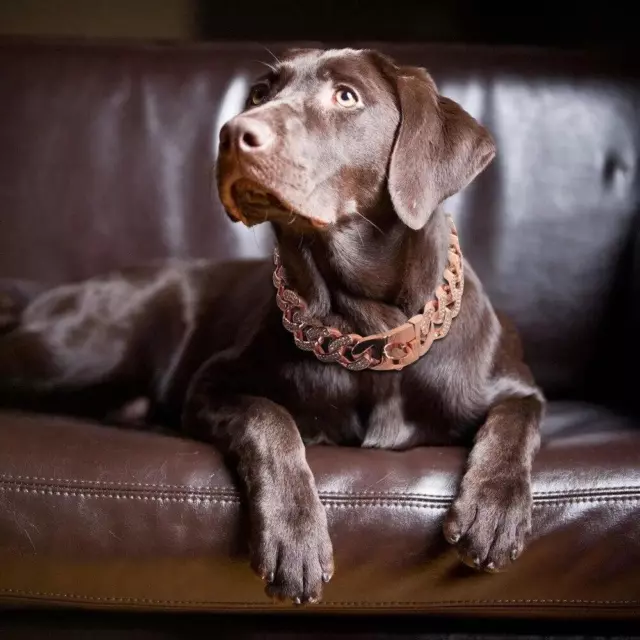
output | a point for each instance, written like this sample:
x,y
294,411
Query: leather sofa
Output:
x,y
106,159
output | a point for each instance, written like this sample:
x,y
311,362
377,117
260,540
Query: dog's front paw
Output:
x,y
490,520
291,548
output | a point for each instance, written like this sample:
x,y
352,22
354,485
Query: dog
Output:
x,y
368,329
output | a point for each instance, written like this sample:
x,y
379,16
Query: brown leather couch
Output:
x,y
106,159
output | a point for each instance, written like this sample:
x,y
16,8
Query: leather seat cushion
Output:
x,y
101,516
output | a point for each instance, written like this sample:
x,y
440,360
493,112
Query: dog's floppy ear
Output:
x,y
439,148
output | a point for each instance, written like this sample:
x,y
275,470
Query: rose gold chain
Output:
x,y
390,350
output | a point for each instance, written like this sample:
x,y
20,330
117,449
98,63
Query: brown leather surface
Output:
x,y
106,517
107,152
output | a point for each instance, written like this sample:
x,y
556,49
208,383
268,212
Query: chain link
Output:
x,y
391,350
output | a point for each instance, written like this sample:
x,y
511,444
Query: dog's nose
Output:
x,y
246,134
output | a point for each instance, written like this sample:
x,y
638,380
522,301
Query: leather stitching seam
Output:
x,y
347,502
58,483
75,596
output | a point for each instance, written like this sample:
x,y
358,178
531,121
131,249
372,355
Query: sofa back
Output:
x,y
107,155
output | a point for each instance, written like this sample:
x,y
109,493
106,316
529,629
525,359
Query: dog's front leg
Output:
x,y
491,517
290,545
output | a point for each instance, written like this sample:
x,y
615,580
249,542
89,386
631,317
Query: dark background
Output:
x,y
561,24
577,25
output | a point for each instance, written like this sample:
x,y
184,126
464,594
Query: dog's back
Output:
x,y
96,347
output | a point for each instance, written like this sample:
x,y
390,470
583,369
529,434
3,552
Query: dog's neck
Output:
x,y
363,278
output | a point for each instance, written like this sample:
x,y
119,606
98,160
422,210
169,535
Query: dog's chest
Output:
x,y
387,410
336,406
324,401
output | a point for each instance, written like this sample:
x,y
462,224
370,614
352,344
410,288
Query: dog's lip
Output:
x,y
233,208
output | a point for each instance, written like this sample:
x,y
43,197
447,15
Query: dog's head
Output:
x,y
331,134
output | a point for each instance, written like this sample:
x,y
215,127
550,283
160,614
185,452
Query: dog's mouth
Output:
x,y
256,204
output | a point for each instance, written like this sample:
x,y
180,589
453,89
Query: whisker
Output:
x,y
373,224
275,57
267,64
361,240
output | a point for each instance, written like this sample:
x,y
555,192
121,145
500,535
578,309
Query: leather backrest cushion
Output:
x,y
107,155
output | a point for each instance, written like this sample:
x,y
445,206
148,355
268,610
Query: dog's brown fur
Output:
x,y
353,192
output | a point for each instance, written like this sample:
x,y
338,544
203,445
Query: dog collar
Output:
x,y
388,351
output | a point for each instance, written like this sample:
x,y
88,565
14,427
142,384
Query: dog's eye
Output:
x,y
346,97
258,94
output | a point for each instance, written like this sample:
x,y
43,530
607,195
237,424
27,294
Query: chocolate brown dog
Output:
x,y
377,333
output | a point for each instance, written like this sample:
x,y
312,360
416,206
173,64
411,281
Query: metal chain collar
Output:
x,y
388,351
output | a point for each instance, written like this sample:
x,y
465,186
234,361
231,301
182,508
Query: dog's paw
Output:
x,y
291,550
490,520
